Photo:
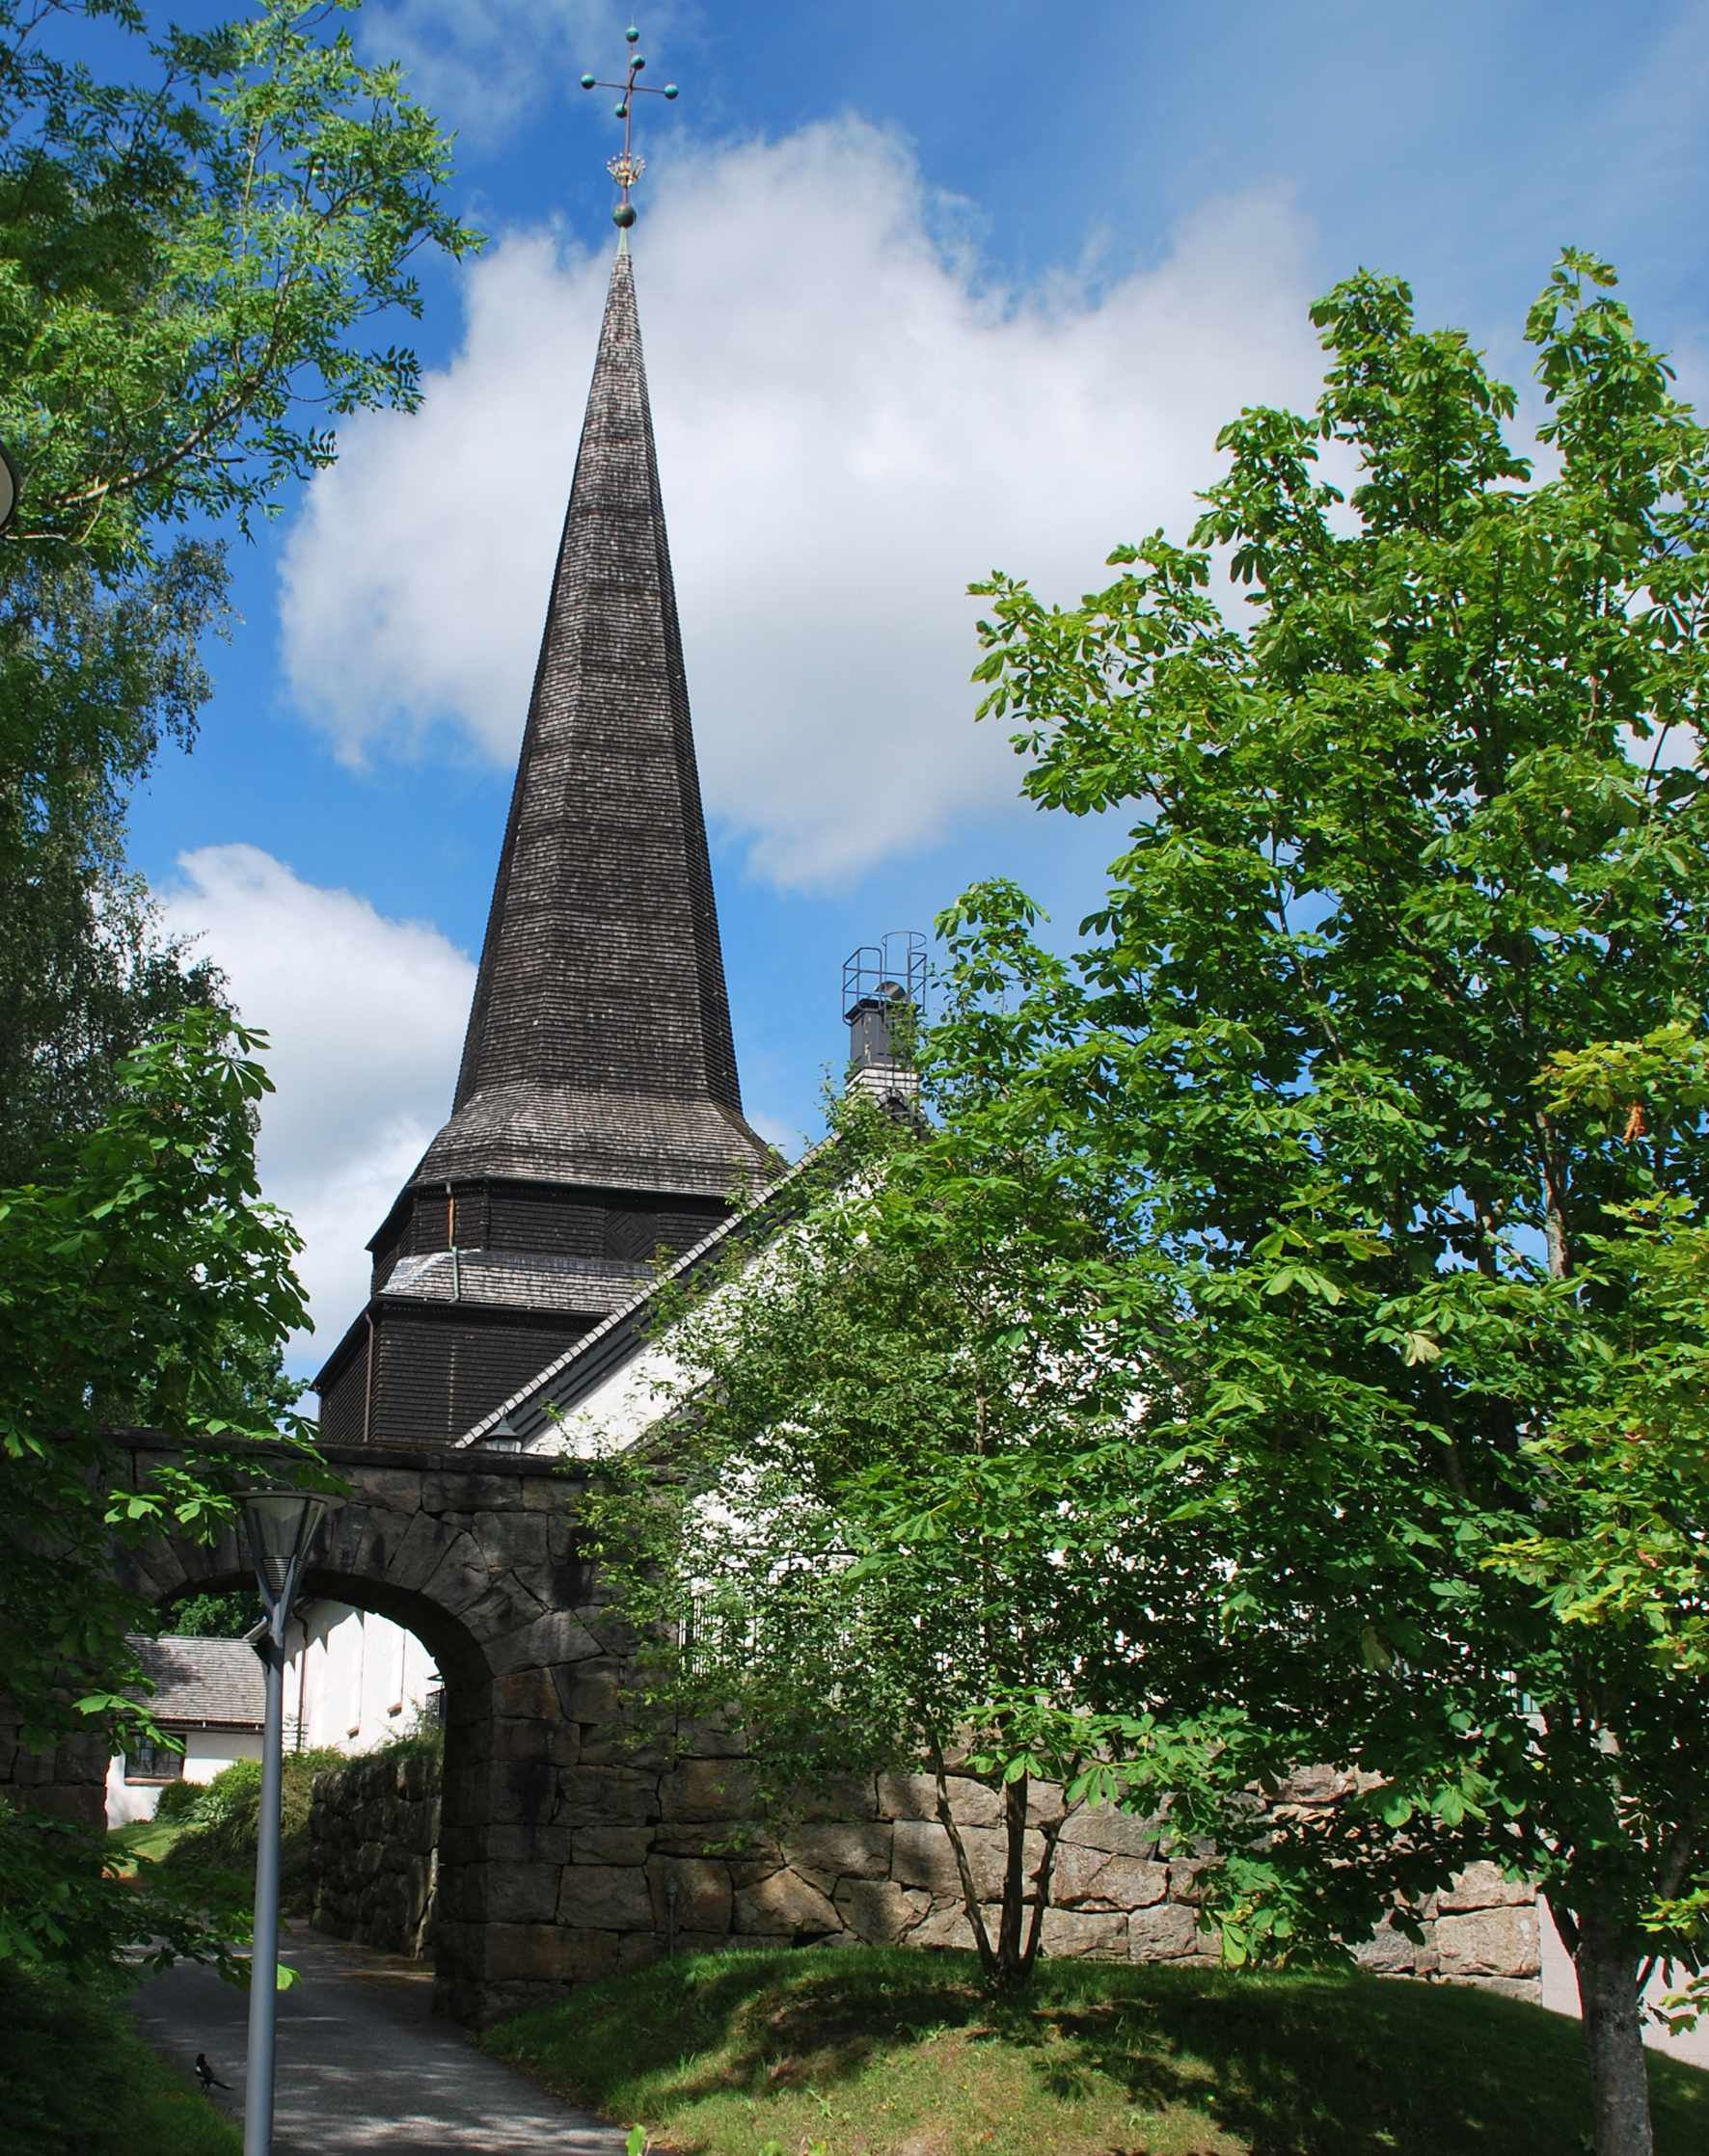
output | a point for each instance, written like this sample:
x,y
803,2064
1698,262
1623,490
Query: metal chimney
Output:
x,y
885,1004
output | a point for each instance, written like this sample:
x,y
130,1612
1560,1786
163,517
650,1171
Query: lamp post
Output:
x,y
279,1525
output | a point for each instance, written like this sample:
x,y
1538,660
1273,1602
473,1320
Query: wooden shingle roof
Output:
x,y
204,1684
599,1047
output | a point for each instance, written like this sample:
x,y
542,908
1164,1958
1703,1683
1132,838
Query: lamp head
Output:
x,y
280,1525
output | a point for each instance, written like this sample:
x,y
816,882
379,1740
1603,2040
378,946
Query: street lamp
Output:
x,y
280,1525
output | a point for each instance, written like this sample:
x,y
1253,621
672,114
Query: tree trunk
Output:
x,y
1041,1877
946,1819
1613,2036
1010,1962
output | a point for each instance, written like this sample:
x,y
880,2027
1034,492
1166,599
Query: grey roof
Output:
x,y
526,1280
205,1682
599,1048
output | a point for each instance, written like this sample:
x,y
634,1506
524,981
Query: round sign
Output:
x,y
9,486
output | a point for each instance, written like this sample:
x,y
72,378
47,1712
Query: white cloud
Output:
x,y
850,428
365,1018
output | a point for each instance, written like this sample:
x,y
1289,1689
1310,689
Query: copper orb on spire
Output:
x,y
627,168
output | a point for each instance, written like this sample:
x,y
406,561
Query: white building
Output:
x,y
207,1694
353,1681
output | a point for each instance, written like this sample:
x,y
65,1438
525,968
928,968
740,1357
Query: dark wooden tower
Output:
x,y
597,1117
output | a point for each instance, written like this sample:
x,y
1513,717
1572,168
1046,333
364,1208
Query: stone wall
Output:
x,y
374,1852
69,1780
1483,1931
688,1873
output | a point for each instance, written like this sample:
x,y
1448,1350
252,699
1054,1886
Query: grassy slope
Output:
x,y
223,1851
898,2053
77,2080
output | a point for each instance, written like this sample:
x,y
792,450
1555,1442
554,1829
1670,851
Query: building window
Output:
x,y
146,1762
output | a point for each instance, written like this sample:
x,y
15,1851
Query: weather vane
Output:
x,y
627,168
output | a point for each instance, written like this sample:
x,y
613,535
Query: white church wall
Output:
x,y
620,1410
354,1679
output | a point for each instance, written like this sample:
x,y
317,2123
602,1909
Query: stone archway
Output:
x,y
477,1556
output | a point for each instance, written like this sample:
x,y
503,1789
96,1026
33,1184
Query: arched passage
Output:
x,y
478,1557
356,1682
473,1801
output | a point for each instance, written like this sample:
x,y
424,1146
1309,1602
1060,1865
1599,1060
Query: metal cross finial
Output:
x,y
627,168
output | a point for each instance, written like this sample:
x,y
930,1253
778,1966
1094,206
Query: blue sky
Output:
x,y
922,292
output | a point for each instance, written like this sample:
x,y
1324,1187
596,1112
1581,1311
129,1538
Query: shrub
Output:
x,y
225,1825
233,1796
424,1738
216,1616
178,1800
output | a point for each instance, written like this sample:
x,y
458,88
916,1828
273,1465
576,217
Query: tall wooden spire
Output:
x,y
599,1045
597,1117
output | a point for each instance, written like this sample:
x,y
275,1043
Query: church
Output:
x,y
597,1123
596,1138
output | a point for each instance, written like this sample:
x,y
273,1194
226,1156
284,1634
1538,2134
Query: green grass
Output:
x,y
77,2080
898,2053
145,1840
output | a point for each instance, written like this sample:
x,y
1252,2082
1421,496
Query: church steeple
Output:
x,y
599,1045
597,1121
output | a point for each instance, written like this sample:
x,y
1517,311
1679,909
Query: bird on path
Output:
x,y
206,2075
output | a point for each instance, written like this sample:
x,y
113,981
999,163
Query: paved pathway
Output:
x,y
365,2069
1560,1995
